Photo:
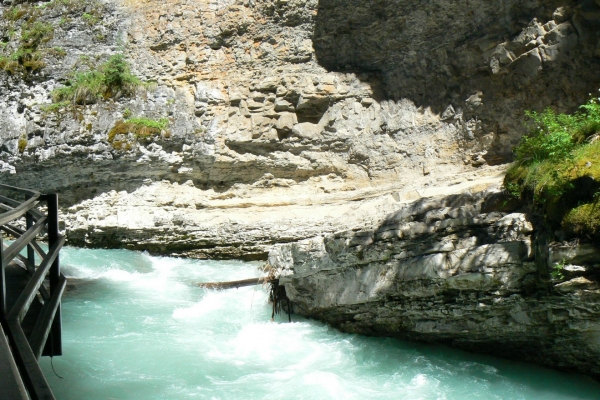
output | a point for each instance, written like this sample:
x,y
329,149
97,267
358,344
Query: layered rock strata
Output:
x,y
367,95
452,270
168,218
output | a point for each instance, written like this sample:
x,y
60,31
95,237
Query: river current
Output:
x,y
137,327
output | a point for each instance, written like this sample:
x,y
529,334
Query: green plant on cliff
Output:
x,y
557,272
148,123
36,33
557,169
90,19
55,107
27,29
73,6
141,128
14,13
26,57
111,79
22,144
57,52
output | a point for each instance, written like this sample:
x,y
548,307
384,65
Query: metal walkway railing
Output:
x,y
31,286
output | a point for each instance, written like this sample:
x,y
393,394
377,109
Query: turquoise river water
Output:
x,y
136,327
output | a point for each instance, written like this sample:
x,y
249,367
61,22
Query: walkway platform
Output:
x,y
31,287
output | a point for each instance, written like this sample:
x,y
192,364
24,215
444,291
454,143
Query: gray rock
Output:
x,y
379,124
286,122
440,270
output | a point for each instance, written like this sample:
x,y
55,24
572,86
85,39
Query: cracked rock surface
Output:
x,y
355,136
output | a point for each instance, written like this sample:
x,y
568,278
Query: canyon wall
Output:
x,y
279,103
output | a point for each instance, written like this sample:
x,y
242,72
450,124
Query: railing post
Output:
x,y
54,343
3,309
30,252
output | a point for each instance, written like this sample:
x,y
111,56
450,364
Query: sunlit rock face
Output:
x,y
278,102
451,270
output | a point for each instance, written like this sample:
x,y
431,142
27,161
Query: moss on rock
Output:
x,y
140,128
563,187
584,220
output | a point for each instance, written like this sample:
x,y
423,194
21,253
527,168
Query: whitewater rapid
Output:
x,y
137,327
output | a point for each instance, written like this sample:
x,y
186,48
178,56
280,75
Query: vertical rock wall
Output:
x,y
274,102
250,89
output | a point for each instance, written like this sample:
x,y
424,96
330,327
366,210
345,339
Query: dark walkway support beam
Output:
x,y
34,378
30,252
22,304
21,341
54,343
48,314
11,384
3,306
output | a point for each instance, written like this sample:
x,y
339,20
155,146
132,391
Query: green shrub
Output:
x,y
590,124
558,169
553,135
111,79
541,146
55,107
583,220
14,13
57,52
159,124
64,21
141,128
90,19
36,33
22,145
118,76
82,88
70,6
145,128
24,51
9,65
557,272
26,57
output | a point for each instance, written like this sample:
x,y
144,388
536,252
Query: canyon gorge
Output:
x,y
358,146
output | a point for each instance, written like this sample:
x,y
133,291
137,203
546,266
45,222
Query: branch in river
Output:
x,y
234,284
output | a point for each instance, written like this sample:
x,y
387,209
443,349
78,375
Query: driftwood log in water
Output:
x,y
234,284
276,292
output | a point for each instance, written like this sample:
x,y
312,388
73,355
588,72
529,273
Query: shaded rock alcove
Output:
x,y
488,61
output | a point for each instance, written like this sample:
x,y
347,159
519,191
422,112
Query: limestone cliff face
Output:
x,y
277,103
451,270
